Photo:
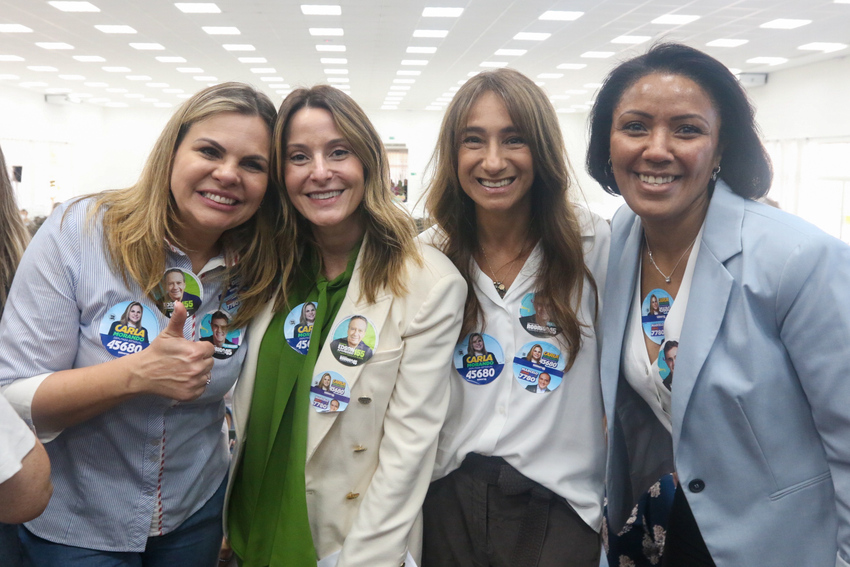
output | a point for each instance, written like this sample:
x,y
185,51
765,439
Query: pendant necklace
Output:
x,y
501,288
652,260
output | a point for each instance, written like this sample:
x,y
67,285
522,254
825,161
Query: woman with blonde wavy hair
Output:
x,y
339,474
137,447
501,199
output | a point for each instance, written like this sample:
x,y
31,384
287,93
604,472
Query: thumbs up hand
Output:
x,y
171,366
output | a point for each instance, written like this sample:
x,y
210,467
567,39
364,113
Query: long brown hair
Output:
x,y
139,219
13,234
560,278
390,231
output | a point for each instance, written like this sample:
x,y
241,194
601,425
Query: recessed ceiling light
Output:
x,y
323,10
825,47
156,85
785,24
147,46
72,77
116,90
221,30
253,60
197,7
324,47
326,31
404,81
767,60
336,71
172,91
493,64
57,90
138,78
189,70
89,58
206,78
842,1
406,73
333,61
596,55
727,42
572,66
239,47
134,95
53,45
550,75
116,29
163,105
14,28
79,95
10,78
515,52
263,70
430,33
169,59
560,16
675,19
442,12
96,84
11,58
30,84
413,62
631,39
75,6
43,68
184,95
529,36
421,49
339,80
272,79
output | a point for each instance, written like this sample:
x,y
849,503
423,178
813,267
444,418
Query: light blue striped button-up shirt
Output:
x,y
106,471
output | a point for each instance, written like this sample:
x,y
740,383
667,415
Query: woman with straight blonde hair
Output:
x,y
518,479
134,411
13,234
338,474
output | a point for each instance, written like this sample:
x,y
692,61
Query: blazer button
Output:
x,y
696,485
365,400
352,495
359,448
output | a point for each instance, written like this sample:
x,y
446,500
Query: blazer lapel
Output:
x,y
710,289
321,423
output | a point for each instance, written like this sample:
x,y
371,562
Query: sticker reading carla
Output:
x,y
329,392
298,326
178,285
128,327
539,367
534,317
479,359
215,329
654,309
355,340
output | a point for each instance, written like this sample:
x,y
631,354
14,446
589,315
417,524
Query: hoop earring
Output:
x,y
714,173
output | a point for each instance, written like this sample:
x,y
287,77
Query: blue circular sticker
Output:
x,y
215,329
479,359
539,367
128,327
298,326
534,317
653,312
329,392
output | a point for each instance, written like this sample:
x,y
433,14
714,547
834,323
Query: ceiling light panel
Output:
x,y
442,12
414,62
11,58
333,61
338,79
785,24
596,55
239,47
89,58
253,60
406,73
198,7
168,59
189,70
336,71
330,48
263,70
493,64
550,75
631,39
42,69
147,46
560,16
53,45
115,29
825,47
14,28
321,10
511,52
427,50
727,42
767,60
675,19
75,6
532,36
221,30
430,33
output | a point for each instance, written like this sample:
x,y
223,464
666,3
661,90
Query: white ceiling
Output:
x,y
376,36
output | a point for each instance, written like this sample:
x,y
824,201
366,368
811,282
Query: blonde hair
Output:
x,y
138,220
390,231
13,234
560,278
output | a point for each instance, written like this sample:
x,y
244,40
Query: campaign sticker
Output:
x,y
178,285
298,326
355,340
539,367
667,363
534,317
329,392
128,327
229,301
653,312
479,359
215,329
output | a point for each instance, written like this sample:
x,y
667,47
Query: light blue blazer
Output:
x,y
761,400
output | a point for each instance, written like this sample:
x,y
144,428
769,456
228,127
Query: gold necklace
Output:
x,y
501,288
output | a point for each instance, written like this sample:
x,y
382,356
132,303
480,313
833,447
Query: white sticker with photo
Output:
x,y
479,358
298,326
128,327
329,392
355,340
654,309
539,367
215,329
178,285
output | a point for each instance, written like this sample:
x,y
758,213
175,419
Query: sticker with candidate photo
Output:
x,y
229,301
667,363
534,317
299,326
128,327
329,392
178,285
653,311
355,340
539,367
479,358
215,329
